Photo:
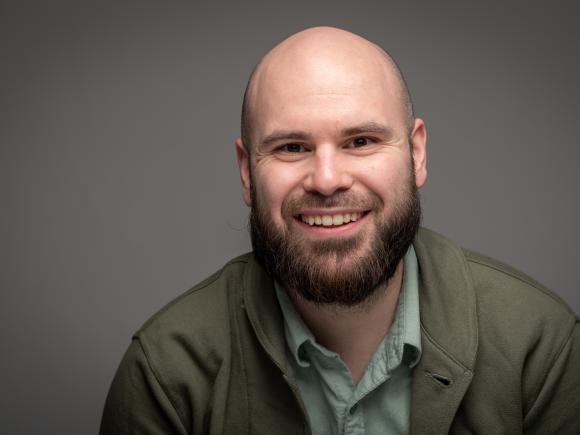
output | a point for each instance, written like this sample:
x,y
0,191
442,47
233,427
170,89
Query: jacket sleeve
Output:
x,y
137,402
556,409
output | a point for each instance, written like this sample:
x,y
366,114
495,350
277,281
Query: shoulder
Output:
x,y
496,285
196,323
521,338
202,299
502,288
510,313
520,320
527,330
169,374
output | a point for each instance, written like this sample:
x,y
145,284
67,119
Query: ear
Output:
x,y
244,164
419,150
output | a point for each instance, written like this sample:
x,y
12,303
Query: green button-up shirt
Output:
x,y
380,402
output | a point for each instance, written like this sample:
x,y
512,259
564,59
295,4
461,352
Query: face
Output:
x,y
332,180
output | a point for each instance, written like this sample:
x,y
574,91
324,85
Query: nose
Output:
x,y
328,173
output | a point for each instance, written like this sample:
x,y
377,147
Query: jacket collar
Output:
x,y
448,334
448,330
264,313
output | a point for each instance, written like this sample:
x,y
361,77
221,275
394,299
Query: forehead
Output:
x,y
311,87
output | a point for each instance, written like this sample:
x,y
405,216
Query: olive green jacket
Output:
x,y
501,355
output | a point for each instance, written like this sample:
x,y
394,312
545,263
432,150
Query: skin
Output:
x,y
328,118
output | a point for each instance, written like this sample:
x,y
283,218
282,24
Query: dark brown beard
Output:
x,y
302,265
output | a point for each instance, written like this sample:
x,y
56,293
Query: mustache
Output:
x,y
347,199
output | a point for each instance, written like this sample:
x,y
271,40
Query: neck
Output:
x,y
353,332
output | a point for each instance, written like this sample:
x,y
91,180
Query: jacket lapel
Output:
x,y
264,313
448,334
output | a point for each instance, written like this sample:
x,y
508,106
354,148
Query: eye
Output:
x,y
359,142
291,148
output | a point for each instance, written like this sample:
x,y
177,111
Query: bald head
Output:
x,y
322,60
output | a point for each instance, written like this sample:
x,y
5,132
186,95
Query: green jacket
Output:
x,y
501,355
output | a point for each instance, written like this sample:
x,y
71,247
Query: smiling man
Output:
x,y
347,317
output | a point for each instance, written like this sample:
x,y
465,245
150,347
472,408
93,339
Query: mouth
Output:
x,y
330,220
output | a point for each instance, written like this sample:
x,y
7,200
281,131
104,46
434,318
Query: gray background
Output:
x,y
119,185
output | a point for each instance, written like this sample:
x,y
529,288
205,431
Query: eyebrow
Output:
x,y
279,135
368,127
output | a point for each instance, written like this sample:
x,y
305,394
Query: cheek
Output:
x,y
386,178
274,184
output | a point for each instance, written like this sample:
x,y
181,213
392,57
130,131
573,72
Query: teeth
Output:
x,y
331,220
337,219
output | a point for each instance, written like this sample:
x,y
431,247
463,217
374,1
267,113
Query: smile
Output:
x,y
330,220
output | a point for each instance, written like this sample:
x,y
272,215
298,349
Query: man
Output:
x,y
347,318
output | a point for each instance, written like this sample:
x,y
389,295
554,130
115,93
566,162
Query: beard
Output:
x,y
336,271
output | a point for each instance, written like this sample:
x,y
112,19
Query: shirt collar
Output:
x,y
296,331
412,322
